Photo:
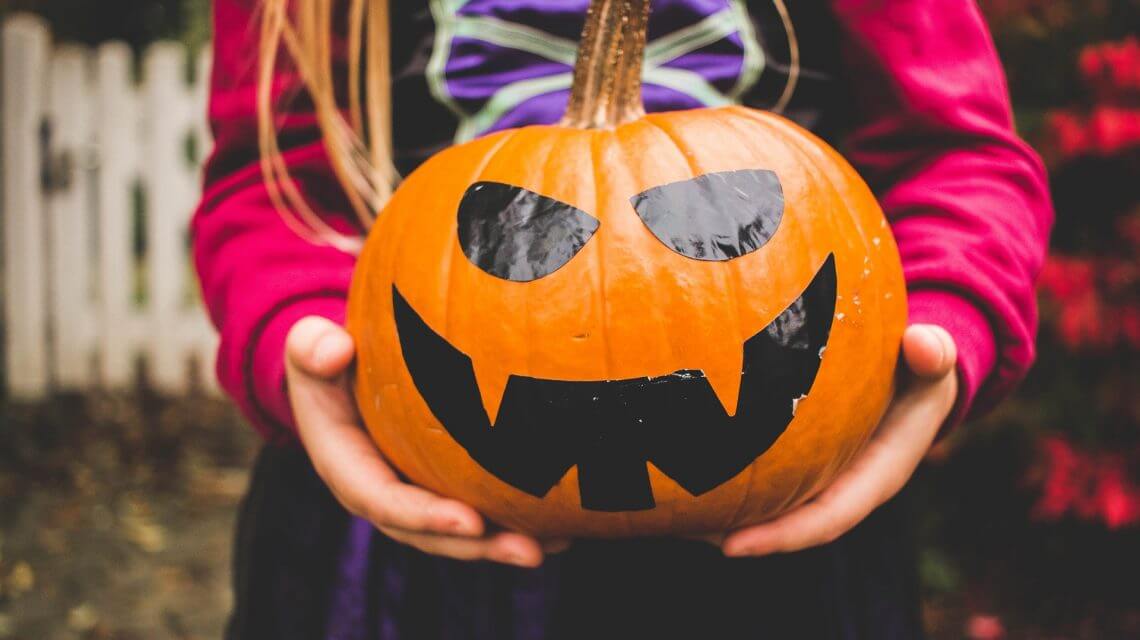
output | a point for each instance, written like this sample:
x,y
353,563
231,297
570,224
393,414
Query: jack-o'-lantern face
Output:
x,y
609,428
628,331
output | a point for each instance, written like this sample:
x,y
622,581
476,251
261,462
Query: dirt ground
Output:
x,y
116,518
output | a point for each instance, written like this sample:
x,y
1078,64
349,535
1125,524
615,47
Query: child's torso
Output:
x,y
463,68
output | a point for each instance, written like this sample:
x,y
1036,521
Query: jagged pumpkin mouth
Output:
x,y
611,429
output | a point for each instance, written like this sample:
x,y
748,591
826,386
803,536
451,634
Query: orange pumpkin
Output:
x,y
628,324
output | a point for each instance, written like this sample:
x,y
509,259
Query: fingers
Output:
x,y
361,481
342,453
404,506
318,347
347,460
318,352
876,474
883,467
929,351
503,547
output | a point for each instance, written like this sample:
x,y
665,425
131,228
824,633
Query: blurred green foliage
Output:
x,y
135,21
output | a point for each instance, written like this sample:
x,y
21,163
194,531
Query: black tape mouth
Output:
x,y
610,429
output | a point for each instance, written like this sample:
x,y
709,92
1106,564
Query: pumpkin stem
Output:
x,y
607,75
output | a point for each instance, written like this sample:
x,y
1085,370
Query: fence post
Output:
x,y
205,337
71,220
169,201
80,139
26,43
117,138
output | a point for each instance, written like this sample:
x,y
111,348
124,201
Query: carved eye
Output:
x,y
717,216
516,234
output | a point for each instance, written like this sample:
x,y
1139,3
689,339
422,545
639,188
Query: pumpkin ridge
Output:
x,y
745,129
651,120
746,493
735,288
887,263
790,143
793,140
435,467
476,175
548,159
383,435
879,311
596,141
824,177
694,171
663,324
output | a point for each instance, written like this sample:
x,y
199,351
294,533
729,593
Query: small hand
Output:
x,y
318,354
926,396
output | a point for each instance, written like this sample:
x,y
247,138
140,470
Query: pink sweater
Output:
x,y
932,133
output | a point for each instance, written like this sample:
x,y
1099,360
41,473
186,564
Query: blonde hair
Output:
x,y
359,146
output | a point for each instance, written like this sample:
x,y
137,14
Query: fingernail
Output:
x,y
941,348
322,351
739,551
455,525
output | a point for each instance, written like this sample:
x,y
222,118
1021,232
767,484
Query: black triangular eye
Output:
x,y
717,216
516,234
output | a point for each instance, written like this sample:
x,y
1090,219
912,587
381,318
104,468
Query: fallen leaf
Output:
x,y
82,618
22,579
144,534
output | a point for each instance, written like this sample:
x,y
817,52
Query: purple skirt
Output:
x,y
305,570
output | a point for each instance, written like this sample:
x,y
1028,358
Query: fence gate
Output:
x,y
100,176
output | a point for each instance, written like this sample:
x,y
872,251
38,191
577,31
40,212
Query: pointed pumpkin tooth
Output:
x,y
724,378
492,380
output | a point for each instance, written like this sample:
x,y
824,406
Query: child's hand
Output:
x,y
318,353
924,401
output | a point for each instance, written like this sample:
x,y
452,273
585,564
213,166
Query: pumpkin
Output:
x,y
628,324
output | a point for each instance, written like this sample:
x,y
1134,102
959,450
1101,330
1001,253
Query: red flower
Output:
x,y
1059,491
1065,278
1106,130
1066,134
1112,129
984,627
1117,499
1083,322
1112,69
1089,486
1096,301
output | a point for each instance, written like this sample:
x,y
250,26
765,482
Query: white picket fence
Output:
x,y
91,155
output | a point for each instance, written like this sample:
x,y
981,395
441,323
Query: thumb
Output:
x,y
929,351
318,347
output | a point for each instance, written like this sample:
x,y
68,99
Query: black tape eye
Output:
x,y
516,234
717,216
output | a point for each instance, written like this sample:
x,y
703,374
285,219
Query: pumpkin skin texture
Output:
x,y
628,306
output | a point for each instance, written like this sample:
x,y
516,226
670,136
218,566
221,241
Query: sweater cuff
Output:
x,y
265,373
972,334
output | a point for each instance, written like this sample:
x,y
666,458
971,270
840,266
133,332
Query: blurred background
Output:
x,y
119,482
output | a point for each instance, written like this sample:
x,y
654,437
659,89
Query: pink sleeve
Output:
x,y
967,199
257,276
